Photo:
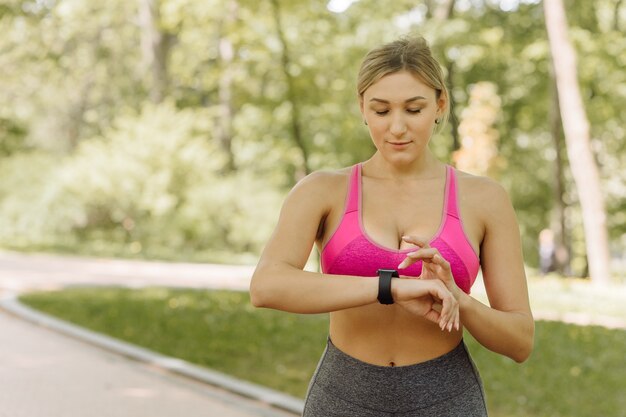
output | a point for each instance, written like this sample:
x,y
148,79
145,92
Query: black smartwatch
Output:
x,y
384,285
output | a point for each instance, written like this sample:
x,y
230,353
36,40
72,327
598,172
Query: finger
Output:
x,y
453,322
425,254
449,310
441,261
450,325
445,310
406,262
433,316
449,322
416,240
410,259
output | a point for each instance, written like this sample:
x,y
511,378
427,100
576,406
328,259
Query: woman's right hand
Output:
x,y
429,299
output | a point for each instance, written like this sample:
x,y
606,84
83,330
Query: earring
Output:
x,y
365,121
437,120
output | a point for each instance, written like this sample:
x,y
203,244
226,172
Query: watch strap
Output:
x,y
384,285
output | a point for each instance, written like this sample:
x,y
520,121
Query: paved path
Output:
x,y
45,373
22,272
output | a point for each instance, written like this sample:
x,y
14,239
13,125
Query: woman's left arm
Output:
x,y
507,327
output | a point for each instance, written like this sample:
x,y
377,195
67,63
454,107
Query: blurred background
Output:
x,y
173,129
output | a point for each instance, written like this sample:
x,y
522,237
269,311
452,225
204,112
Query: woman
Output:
x,y
395,346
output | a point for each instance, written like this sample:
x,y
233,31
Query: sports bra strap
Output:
x,y
451,193
353,189
452,208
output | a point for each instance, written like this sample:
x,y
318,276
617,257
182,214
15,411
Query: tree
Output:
x,y
576,128
562,248
155,47
296,127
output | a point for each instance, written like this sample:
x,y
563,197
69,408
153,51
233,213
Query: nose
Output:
x,y
398,126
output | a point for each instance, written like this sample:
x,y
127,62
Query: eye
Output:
x,y
382,112
414,110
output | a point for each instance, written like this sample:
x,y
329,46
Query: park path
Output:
x,y
46,373
24,272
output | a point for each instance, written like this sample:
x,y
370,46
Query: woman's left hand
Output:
x,y
434,266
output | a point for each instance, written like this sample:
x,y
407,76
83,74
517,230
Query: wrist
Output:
x,y
385,295
463,299
395,283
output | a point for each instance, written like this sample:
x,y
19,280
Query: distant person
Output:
x,y
546,251
402,236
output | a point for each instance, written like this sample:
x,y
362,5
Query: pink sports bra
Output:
x,y
351,252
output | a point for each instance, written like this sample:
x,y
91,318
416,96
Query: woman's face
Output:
x,y
400,111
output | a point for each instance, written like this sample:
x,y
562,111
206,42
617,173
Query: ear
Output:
x,y
441,103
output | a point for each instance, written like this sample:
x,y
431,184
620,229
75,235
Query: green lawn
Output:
x,y
574,370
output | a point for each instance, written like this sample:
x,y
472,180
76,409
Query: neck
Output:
x,y
424,167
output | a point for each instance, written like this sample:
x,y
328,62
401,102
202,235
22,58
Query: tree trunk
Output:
x,y
558,223
616,14
442,12
226,56
291,93
576,128
154,46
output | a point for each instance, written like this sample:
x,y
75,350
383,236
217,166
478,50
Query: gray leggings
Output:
x,y
447,386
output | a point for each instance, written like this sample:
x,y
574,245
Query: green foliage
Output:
x,y
153,181
570,369
79,72
12,135
24,192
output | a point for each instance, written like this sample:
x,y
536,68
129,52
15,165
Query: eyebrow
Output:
x,y
406,101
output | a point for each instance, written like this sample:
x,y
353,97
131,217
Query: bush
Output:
x,y
154,181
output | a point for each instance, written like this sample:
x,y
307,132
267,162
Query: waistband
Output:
x,y
400,388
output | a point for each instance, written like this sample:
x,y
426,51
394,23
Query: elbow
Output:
x,y
522,354
259,291
257,296
526,346
257,299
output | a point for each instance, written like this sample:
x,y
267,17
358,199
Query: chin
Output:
x,y
400,158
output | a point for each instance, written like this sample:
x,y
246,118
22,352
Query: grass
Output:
x,y
574,370
571,299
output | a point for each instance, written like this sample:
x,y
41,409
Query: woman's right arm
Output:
x,y
280,283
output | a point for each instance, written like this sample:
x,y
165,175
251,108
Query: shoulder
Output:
x,y
484,193
322,180
321,188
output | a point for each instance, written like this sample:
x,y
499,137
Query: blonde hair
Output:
x,y
409,53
